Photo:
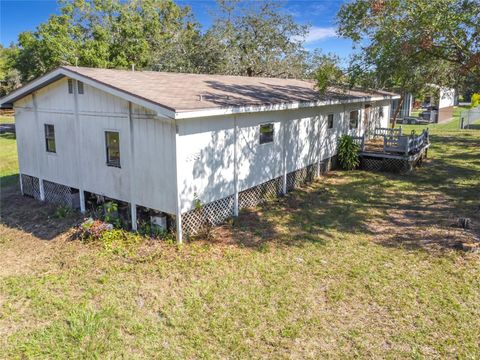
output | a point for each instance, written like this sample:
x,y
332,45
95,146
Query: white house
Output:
x,y
161,142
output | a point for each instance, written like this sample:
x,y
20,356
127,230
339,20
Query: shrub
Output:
x,y
475,100
348,153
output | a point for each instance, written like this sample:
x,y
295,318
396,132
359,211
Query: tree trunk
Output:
x,y
397,110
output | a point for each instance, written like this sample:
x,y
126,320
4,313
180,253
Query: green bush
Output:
x,y
475,100
348,153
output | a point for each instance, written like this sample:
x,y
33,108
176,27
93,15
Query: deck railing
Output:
x,y
395,142
406,144
360,141
379,132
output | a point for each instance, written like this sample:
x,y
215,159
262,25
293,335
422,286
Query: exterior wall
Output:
x,y
206,154
147,173
445,114
207,148
446,101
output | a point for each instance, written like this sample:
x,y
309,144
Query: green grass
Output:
x,y
7,119
9,162
452,125
357,265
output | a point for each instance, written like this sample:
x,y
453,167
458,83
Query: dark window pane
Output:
x,y
80,87
266,133
70,86
112,140
354,119
50,138
330,121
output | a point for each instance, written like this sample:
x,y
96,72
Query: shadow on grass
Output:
x,y
32,216
8,180
414,211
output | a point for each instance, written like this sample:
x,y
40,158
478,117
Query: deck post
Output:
x,y
82,201
284,157
133,212
21,183
235,167
178,223
41,188
178,214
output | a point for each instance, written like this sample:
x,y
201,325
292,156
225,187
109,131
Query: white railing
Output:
x,y
379,132
406,144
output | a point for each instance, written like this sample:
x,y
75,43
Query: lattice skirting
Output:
x,y
217,212
30,186
213,213
256,195
54,193
390,165
60,194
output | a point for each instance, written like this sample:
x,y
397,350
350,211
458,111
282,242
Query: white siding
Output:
x,y
206,148
148,180
206,159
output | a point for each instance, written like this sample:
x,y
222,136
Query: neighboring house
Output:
x,y
407,105
163,142
439,104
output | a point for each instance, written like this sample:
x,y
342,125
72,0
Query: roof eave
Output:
x,y
188,114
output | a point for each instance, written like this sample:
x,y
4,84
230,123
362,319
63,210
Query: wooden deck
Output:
x,y
389,150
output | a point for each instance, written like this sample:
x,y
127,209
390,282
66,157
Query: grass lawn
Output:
x,y
7,119
8,155
357,264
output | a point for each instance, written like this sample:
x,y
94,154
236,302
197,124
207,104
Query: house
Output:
x,y
162,143
438,104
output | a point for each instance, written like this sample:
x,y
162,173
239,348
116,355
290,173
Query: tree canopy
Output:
x,y
113,33
408,44
246,38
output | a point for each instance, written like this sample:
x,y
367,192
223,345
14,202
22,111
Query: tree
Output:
x,y
257,39
113,33
407,44
9,76
325,70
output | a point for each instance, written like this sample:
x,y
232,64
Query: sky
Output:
x,y
17,16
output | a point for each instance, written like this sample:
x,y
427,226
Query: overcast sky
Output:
x,y
23,15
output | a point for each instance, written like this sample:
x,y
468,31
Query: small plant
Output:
x,y
147,229
91,230
111,213
120,242
63,211
205,231
348,153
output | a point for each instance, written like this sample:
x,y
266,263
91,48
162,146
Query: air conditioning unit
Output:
x,y
159,221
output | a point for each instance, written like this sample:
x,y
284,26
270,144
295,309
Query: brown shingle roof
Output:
x,y
186,92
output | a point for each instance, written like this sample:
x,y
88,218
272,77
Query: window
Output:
x,y
380,111
112,141
354,119
266,133
80,87
50,138
330,121
70,86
